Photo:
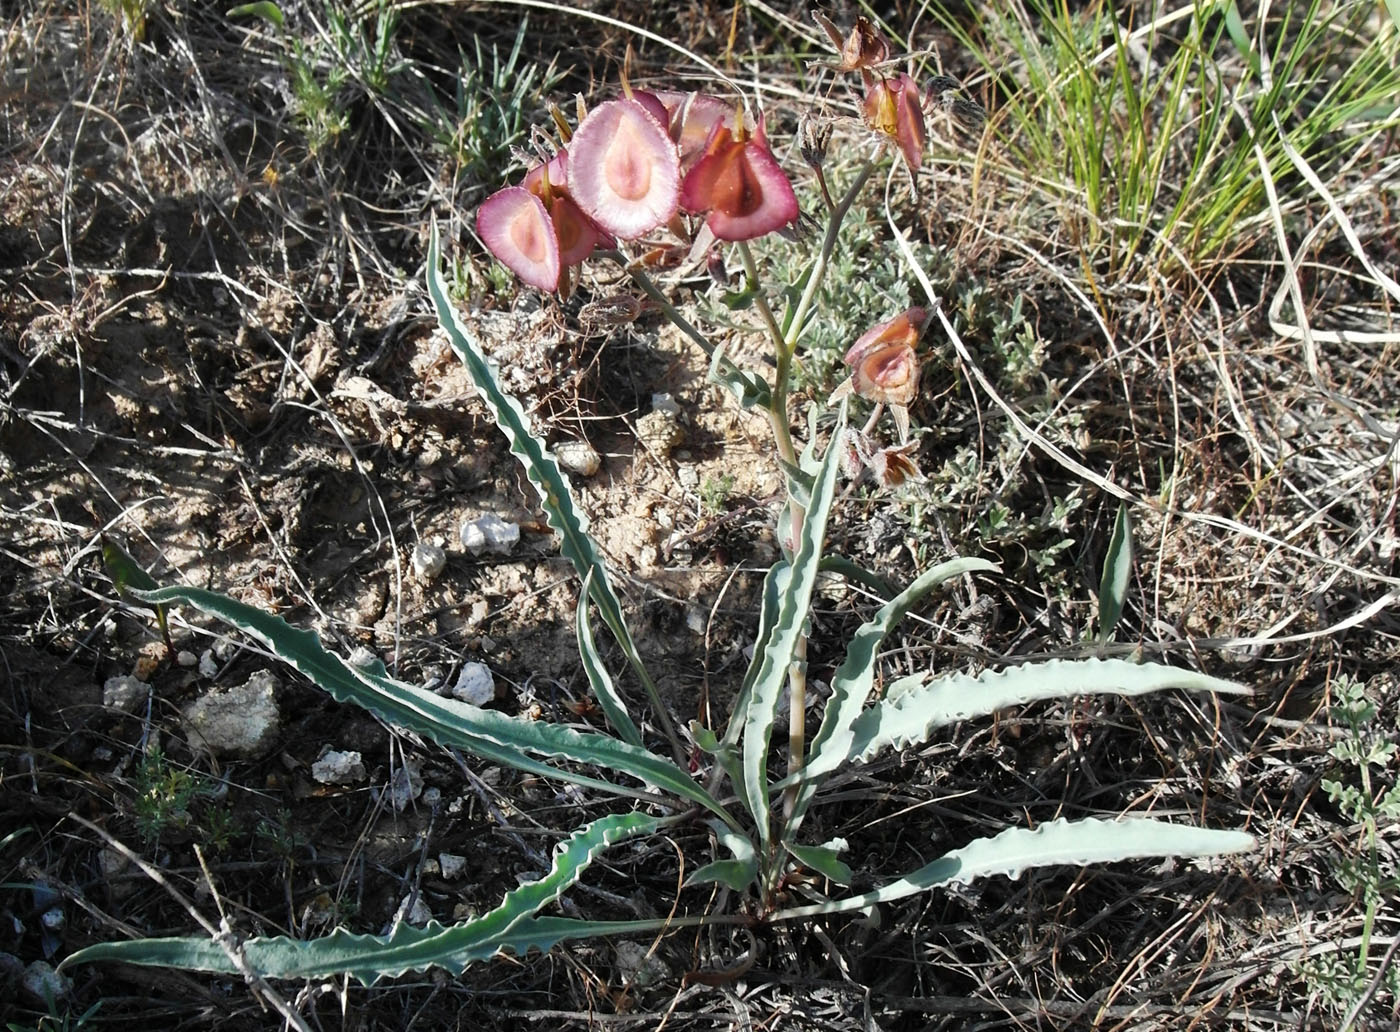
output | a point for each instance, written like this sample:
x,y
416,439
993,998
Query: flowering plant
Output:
x,y
635,166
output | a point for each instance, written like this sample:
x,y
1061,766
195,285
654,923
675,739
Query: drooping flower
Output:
x,y
535,229
884,361
691,118
894,465
624,172
739,183
894,107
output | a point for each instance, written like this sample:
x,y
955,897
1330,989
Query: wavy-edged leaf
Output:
x,y
495,736
749,388
127,573
738,873
614,708
1117,570
794,600
726,755
406,948
556,498
851,684
824,859
916,707
1061,841
767,614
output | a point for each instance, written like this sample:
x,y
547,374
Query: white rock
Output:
x,y
432,796
339,768
124,693
475,684
406,785
689,477
43,983
413,911
240,722
208,665
428,561
452,865
578,457
490,533
186,658
361,657
665,403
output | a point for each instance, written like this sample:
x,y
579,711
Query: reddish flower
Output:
x,y
893,466
884,363
624,172
535,229
691,118
895,107
739,182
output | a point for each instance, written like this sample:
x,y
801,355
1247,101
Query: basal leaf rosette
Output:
x,y
624,172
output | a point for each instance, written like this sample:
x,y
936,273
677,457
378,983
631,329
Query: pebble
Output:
x,y
241,722
208,665
490,533
413,911
186,658
475,684
578,457
43,983
428,561
124,693
339,768
406,785
361,657
452,865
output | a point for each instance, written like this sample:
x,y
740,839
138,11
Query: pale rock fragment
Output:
x,y
453,865
429,560
186,658
240,722
490,533
45,984
475,684
339,768
124,693
578,457
413,911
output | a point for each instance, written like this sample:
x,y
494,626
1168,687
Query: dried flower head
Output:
x,y
865,47
894,465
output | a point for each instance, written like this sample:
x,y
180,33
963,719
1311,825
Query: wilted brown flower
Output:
x,y
884,361
893,466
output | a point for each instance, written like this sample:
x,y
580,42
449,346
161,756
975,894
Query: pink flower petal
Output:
x,y
741,185
623,169
516,228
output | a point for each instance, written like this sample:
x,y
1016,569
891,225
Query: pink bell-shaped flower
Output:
x,y
624,172
740,184
516,227
894,107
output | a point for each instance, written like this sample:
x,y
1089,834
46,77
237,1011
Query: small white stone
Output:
x,y
413,911
361,657
428,561
186,658
578,457
339,768
208,665
689,477
124,693
53,920
43,983
665,403
475,684
490,533
406,785
452,865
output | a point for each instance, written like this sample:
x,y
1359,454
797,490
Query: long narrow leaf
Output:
x,y
1117,571
915,707
767,614
406,948
556,498
494,736
1078,843
795,599
614,708
851,684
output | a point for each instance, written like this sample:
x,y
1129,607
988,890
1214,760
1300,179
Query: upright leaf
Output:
x,y
556,498
794,588
1117,571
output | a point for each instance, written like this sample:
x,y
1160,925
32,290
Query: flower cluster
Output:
x,y
630,166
